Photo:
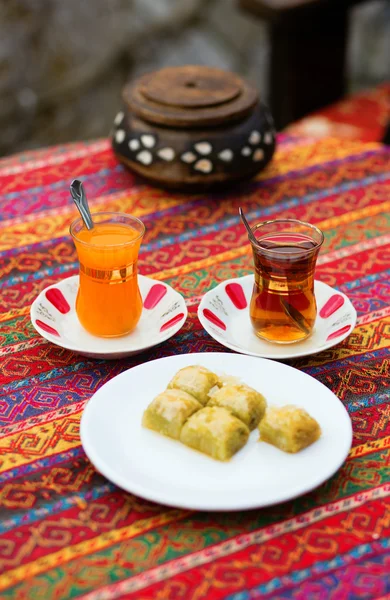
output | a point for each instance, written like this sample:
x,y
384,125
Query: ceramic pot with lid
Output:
x,y
193,127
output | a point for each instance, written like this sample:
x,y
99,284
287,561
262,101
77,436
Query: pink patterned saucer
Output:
x,y
54,317
224,313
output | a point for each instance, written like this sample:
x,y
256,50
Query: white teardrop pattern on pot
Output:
x,y
226,155
254,138
188,157
203,148
204,166
246,151
134,144
145,157
258,154
120,136
167,154
119,117
149,141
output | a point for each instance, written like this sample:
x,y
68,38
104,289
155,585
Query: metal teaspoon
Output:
x,y
80,200
247,227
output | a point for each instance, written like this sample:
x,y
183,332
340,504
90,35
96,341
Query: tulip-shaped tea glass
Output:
x,y
283,306
108,302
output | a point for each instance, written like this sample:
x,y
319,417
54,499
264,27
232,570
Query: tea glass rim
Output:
x,y
108,213
296,221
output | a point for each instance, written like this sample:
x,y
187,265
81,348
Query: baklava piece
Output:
x,y
195,380
289,428
168,412
245,403
216,432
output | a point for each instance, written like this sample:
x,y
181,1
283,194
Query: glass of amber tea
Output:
x,y
283,306
108,302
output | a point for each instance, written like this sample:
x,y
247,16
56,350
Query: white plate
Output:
x,y
54,316
224,314
165,471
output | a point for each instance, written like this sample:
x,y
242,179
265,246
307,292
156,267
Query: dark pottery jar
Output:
x,y
193,127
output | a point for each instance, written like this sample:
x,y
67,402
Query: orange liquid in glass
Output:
x,y
108,303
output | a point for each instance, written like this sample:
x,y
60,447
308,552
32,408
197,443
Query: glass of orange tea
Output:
x,y
283,306
108,302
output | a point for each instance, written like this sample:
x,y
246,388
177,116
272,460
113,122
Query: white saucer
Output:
x,y
163,470
54,317
224,313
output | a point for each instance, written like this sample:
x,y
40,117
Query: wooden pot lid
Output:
x,y
191,87
190,96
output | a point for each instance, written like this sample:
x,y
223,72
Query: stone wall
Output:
x,y
63,63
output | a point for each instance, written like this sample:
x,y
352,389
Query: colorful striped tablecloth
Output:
x,y
363,116
65,531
